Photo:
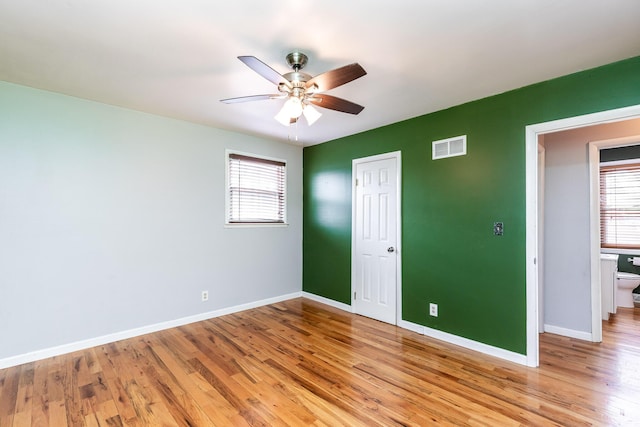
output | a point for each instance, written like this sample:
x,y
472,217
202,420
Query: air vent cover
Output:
x,y
450,147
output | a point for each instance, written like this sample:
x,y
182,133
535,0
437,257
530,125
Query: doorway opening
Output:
x,y
533,287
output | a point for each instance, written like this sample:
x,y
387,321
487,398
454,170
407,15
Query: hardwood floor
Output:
x,y
303,363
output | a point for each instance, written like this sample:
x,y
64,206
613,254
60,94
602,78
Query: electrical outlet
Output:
x,y
433,309
205,295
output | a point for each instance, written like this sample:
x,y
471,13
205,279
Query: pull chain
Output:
x,y
296,132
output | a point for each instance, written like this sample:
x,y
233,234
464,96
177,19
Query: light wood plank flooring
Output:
x,y
303,363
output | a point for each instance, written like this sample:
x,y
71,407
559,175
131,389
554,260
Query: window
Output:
x,y
620,206
255,189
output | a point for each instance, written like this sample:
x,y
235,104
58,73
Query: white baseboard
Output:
x,y
106,339
434,333
487,349
571,333
439,335
465,342
327,301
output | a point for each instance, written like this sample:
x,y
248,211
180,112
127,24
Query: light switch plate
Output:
x,y
498,228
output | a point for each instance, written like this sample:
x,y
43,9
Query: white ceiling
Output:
x,y
178,58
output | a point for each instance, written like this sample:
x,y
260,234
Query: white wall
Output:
x,y
567,271
112,220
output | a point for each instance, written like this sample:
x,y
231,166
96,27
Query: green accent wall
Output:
x,y
449,253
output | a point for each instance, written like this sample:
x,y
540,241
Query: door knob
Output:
x,y
390,249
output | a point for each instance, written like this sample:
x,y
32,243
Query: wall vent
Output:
x,y
450,147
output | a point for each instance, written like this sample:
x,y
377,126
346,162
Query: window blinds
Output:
x,y
256,190
620,206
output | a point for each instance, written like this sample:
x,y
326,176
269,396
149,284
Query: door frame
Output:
x,y
540,263
397,155
532,132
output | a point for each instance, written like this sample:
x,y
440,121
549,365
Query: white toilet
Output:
x,y
627,282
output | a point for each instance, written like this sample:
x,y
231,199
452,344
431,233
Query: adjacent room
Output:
x,y
317,213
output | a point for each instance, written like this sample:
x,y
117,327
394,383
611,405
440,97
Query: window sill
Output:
x,y
620,251
255,224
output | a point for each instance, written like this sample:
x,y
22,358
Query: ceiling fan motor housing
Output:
x,y
297,78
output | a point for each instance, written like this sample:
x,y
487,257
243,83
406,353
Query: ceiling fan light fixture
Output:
x,y
311,114
283,117
294,107
291,110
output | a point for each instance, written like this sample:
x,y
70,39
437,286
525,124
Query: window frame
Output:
x,y
609,247
248,224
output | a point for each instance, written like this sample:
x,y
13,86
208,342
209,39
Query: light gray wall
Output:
x,y
112,220
567,271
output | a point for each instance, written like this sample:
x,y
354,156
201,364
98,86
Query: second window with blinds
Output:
x,y
256,190
620,205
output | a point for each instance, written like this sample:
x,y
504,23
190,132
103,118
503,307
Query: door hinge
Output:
x,y
354,295
357,181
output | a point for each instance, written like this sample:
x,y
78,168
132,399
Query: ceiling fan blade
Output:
x,y
251,98
335,103
264,70
337,77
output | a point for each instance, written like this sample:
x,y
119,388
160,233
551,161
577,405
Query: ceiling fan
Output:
x,y
301,90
